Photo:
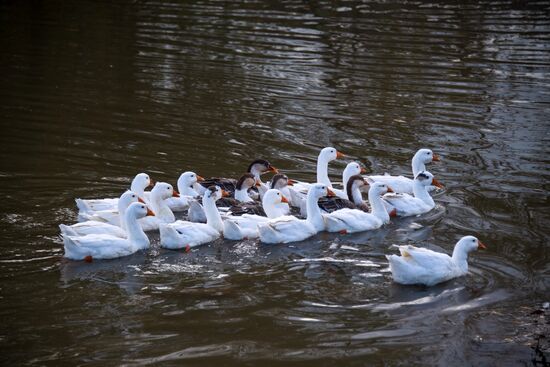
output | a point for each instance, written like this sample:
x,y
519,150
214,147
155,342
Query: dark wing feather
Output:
x,y
334,203
248,208
227,184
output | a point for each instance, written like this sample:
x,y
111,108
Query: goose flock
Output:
x,y
281,210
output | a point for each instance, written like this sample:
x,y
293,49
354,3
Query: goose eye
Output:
x,y
133,196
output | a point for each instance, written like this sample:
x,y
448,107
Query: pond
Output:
x,y
94,92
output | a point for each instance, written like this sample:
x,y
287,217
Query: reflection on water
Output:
x,y
95,92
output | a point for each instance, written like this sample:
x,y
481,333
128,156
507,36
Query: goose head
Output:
x,y
215,193
426,156
187,179
380,188
319,190
280,181
425,178
163,190
141,182
273,197
469,244
354,168
126,199
139,210
246,182
261,166
329,154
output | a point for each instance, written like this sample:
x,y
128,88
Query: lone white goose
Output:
x,y
422,266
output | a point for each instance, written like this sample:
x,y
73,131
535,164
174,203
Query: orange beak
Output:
x,y
151,183
437,184
393,213
150,213
363,170
436,158
339,155
390,189
140,200
258,184
330,193
284,200
200,178
481,245
225,194
290,182
176,194
272,169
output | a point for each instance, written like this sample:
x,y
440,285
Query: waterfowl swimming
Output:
x,y
279,182
354,220
402,184
257,168
111,217
182,234
326,155
422,266
187,191
104,246
407,205
246,226
87,206
289,229
163,214
354,186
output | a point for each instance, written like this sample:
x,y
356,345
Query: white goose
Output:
x,y
422,266
104,246
97,227
187,191
326,155
354,220
290,229
402,184
406,205
88,206
112,216
163,214
183,234
299,191
246,226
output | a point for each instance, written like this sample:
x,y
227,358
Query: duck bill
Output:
x,y
481,245
436,158
284,200
200,178
290,182
330,193
390,189
258,184
272,169
140,200
176,194
363,170
340,155
437,184
225,194
150,213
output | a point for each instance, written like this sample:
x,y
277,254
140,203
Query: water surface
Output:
x,y
94,92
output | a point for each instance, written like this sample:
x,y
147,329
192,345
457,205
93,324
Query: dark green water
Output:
x,y
94,92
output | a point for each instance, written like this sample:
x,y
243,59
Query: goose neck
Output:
x,y
420,192
213,217
136,236
377,207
